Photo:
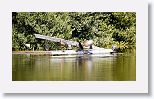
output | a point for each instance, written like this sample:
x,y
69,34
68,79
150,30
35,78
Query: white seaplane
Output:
x,y
86,48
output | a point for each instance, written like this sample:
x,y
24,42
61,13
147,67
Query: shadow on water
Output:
x,y
74,68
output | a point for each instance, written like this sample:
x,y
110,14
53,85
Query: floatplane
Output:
x,y
82,49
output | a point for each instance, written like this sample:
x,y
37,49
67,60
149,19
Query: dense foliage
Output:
x,y
105,28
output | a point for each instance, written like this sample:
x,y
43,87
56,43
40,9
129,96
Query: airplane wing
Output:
x,y
54,39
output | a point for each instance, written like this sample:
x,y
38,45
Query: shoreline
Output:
x,y
65,52
32,52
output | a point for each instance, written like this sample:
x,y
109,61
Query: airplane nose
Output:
x,y
88,43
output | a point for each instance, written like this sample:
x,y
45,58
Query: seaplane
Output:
x,y
86,48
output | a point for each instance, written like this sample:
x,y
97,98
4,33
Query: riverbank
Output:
x,y
66,52
32,52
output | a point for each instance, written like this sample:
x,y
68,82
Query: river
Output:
x,y
120,67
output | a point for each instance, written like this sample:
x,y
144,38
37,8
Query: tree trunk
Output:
x,y
119,44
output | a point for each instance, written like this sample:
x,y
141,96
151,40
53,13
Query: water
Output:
x,y
121,67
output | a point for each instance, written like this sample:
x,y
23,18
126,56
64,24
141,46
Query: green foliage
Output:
x,y
105,28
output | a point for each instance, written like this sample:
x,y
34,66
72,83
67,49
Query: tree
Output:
x,y
105,28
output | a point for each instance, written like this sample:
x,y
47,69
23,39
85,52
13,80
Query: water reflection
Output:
x,y
73,68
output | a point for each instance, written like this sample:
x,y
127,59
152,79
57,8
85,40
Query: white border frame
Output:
x,y
9,86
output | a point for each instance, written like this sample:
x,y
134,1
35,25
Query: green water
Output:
x,y
121,67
